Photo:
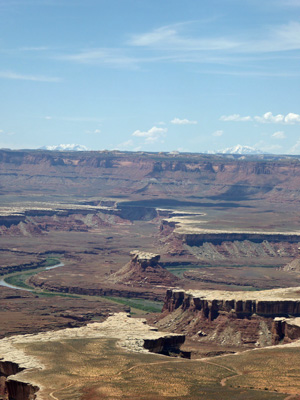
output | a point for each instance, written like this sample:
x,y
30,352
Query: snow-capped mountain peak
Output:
x,y
65,147
238,149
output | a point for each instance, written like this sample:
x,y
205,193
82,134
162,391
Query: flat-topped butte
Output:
x,y
144,257
268,295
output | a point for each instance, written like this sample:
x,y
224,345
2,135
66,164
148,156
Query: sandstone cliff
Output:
x,y
210,304
243,319
285,330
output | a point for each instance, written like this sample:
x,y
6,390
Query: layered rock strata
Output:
x,y
210,304
200,236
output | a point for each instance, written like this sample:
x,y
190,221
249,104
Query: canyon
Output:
x,y
205,248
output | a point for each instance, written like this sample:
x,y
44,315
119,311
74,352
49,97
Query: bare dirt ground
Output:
x,y
95,367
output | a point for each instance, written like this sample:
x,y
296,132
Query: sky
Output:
x,y
150,75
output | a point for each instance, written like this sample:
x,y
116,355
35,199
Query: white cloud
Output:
x,y
169,37
48,117
268,117
176,44
274,39
178,121
269,148
279,135
102,56
125,145
35,78
235,117
218,133
65,147
152,135
292,118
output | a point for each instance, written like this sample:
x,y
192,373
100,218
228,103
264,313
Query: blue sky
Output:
x,y
152,75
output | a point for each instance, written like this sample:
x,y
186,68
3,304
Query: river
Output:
x,y
3,283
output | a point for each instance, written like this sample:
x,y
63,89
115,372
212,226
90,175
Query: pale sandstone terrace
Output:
x,y
133,334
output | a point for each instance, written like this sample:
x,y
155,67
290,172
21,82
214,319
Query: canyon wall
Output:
x,y
167,345
12,389
244,305
125,174
197,239
285,330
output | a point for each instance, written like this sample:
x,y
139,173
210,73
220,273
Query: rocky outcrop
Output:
x,y
143,269
218,237
12,389
219,245
285,330
210,304
232,319
18,390
167,345
43,218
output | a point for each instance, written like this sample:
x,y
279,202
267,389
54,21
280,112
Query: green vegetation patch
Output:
x,y
179,270
50,262
140,304
19,280
53,294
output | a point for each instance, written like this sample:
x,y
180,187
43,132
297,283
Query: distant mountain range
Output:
x,y
242,150
238,149
65,147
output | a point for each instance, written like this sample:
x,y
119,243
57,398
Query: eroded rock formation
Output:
x,y
11,389
144,269
285,330
268,303
232,318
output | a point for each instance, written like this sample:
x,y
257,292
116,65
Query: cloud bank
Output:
x,y
152,135
178,121
268,117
